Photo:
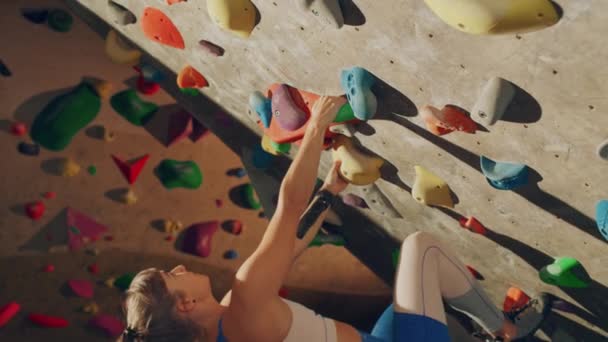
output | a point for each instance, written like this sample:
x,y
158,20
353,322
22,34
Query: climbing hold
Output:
x,y
268,146
474,273
219,203
131,169
260,158
119,51
110,325
109,282
502,175
91,308
93,251
93,268
327,239
431,190
565,272
234,227
36,16
28,149
35,210
131,107
280,148
82,229
107,134
285,111
55,126
601,217
179,174
489,17
172,227
189,91
357,167
327,12
250,197
159,28
145,86
199,131
602,150
473,225
344,129
46,321
262,106
60,20
231,254
189,77
128,197
180,126
356,83
81,288
283,292
49,195
48,268
450,118
172,2
197,238
494,99
354,201
119,14
8,311
92,170
236,16
211,48
68,167
150,73
237,172
18,129
124,281
514,299
4,70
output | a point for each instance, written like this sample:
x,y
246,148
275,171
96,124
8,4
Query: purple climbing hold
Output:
x,y
36,16
198,131
285,111
211,48
231,254
197,238
354,201
28,149
180,126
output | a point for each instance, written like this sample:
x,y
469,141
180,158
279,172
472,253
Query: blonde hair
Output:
x,y
151,312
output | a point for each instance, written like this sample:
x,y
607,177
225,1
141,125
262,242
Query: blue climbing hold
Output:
x,y
261,159
504,176
261,105
150,73
601,216
357,83
231,254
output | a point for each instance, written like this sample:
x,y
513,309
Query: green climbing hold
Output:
x,y
324,239
565,272
92,170
189,91
250,197
395,257
131,107
281,148
345,113
64,116
178,174
124,281
60,20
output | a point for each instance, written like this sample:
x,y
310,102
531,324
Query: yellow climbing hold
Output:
x,y
267,146
91,308
172,227
119,51
110,282
494,17
69,168
357,167
429,189
129,197
236,16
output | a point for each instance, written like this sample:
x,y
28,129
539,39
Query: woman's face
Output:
x,y
193,285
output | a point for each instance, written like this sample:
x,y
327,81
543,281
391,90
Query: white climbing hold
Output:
x,y
495,97
326,11
602,150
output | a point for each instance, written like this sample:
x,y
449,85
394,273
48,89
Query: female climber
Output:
x,y
179,306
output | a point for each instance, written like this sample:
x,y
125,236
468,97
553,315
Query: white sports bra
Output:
x,y
306,325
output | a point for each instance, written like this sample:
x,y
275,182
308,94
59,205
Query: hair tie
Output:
x,y
132,333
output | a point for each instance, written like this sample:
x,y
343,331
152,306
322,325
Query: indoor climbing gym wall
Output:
x,y
481,121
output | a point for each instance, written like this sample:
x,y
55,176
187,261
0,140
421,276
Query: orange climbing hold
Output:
x,y
173,2
159,28
473,225
446,120
190,78
514,299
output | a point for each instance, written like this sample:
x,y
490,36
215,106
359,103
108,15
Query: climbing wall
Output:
x,y
554,125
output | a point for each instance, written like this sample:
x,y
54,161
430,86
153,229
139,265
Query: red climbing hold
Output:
x,y
48,268
110,325
18,129
144,86
180,126
159,28
131,169
197,238
81,229
93,268
514,299
474,273
473,225
49,195
219,203
108,238
233,226
81,288
35,210
8,311
48,321
283,292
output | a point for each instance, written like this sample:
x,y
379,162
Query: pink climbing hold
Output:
x,y
81,229
35,210
110,325
81,288
46,321
199,131
48,268
19,129
180,126
289,116
131,169
8,311
473,225
197,238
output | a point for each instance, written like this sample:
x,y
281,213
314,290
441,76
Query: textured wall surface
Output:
x,y
557,121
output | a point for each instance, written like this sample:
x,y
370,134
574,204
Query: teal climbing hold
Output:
x,y
55,126
60,20
262,106
504,176
357,83
601,216
565,272
124,281
260,158
179,174
249,197
131,107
